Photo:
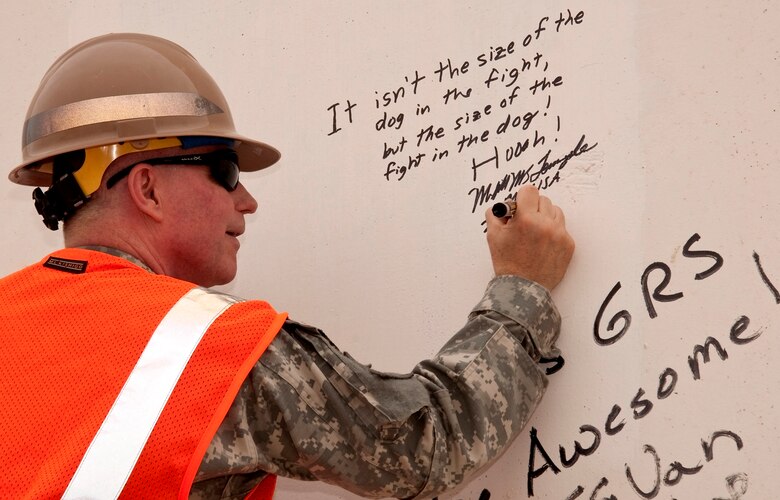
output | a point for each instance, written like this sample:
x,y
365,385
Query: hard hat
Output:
x,y
125,87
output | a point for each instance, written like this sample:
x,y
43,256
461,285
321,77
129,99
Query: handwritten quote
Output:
x,y
493,112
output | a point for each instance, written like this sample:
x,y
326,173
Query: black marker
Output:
x,y
504,209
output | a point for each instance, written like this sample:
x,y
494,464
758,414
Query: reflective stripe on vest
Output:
x,y
112,455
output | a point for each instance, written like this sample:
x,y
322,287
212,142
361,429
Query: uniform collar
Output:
x,y
118,253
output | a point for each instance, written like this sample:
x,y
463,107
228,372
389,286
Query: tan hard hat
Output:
x,y
125,87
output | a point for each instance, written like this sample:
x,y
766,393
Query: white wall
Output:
x,y
680,102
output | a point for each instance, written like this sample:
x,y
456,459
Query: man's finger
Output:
x,y
559,216
546,207
528,199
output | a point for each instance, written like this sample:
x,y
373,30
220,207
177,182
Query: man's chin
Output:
x,y
218,278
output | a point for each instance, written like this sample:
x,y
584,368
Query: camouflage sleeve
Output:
x,y
310,411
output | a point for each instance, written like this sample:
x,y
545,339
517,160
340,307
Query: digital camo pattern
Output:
x,y
309,411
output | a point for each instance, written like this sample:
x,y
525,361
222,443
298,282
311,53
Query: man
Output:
x,y
120,373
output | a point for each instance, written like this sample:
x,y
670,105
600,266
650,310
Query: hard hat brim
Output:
x,y
252,156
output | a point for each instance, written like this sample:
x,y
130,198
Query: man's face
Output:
x,y
202,225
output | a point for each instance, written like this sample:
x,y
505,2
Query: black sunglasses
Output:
x,y
222,163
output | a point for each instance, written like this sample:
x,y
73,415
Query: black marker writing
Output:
x,y
765,278
333,107
709,354
505,90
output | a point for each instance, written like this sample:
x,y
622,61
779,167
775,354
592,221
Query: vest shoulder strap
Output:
x,y
112,454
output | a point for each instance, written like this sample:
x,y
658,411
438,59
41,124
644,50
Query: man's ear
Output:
x,y
143,184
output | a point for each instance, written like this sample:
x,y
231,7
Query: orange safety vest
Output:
x,y
82,332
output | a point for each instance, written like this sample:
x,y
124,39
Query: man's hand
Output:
x,y
534,243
